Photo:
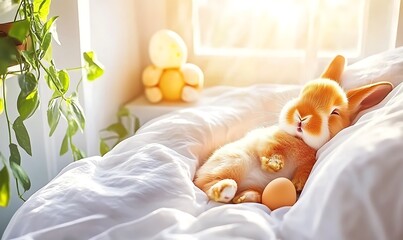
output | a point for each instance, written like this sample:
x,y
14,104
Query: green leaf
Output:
x,y
51,78
27,105
53,114
77,114
8,54
77,153
48,54
4,185
136,124
93,67
103,147
29,57
14,154
50,83
19,30
47,26
22,135
118,128
72,128
45,44
123,112
1,105
65,145
20,174
41,7
50,26
28,83
56,94
64,80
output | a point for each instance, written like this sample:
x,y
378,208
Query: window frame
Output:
x,y
301,67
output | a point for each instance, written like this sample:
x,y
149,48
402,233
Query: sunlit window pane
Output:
x,y
278,25
341,25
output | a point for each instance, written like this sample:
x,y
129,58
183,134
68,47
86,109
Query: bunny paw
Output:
x,y
247,196
223,191
273,164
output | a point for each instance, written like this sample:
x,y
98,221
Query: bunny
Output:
x,y
239,171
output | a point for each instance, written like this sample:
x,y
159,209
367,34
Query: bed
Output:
x,y
143,188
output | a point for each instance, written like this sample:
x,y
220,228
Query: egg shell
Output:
x,y
280,192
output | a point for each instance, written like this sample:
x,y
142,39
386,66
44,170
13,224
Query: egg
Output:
x,y
280,192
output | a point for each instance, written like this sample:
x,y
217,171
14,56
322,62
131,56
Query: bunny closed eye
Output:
x,y
335,112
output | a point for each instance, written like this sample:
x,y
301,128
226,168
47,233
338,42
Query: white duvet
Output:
x,y
143,188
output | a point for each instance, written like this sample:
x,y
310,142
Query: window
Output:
x,y
276,27
241,42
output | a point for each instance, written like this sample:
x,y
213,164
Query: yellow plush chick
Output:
x,y
170,77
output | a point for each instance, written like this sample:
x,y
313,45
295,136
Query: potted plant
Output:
x,y
25,52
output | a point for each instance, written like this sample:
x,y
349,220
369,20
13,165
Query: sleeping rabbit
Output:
x,y
239,171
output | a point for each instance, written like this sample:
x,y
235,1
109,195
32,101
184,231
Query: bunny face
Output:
x,y
320,111
323,109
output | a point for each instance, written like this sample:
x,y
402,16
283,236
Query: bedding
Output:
x,y
143,189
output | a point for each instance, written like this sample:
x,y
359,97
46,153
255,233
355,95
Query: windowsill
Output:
x,y
146,111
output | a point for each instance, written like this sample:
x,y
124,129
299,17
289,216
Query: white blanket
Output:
x,y
143,188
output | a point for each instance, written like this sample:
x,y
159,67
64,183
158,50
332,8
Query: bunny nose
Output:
x,y
299,128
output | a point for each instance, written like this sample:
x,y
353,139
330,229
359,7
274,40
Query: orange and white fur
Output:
x,y
239,171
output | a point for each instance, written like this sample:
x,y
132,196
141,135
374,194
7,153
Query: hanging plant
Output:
x,y
26,52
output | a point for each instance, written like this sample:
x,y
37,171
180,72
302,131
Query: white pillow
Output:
x,y
385,66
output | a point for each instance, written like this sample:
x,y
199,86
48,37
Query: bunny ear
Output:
x,y
367,96
335,69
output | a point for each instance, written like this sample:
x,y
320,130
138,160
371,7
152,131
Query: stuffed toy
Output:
x,y
169,77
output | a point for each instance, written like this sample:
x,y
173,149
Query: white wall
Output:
x,y
118,34
399,40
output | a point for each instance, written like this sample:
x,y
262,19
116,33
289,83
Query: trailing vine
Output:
x,y
31,64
